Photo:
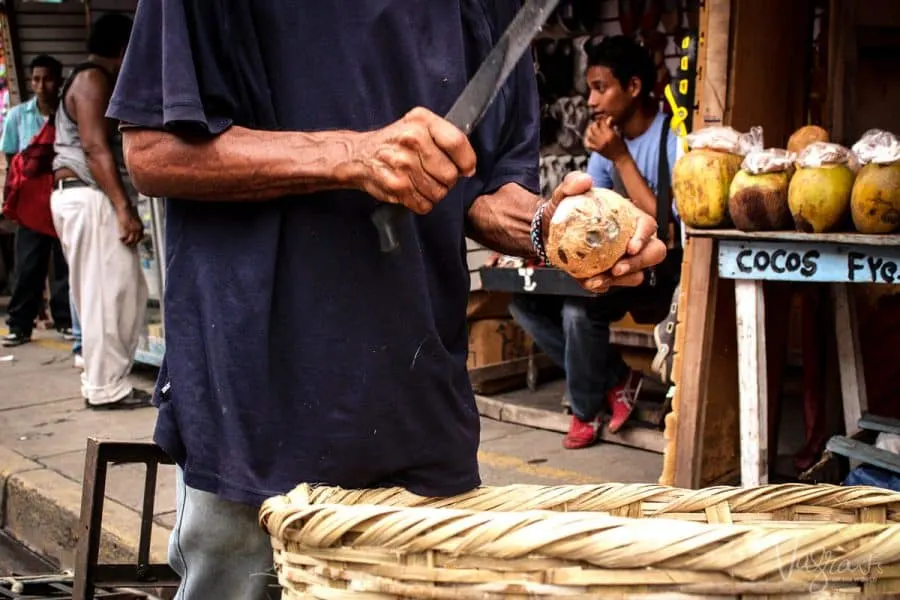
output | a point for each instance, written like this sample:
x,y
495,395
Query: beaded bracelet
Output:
x,y
537,239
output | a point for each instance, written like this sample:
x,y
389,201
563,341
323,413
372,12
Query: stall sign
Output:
x,y
809,261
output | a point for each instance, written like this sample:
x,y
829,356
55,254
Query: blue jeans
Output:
x,y
76,326
574,333
218,549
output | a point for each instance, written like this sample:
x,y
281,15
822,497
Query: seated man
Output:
x,y
626,143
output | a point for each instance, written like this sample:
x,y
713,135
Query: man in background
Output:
x,y
34,251
628,139
98,223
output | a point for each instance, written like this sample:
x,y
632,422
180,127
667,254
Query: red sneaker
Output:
x,y
622,399
581,433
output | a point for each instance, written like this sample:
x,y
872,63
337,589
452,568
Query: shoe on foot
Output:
x,y
15,338
622,399
134,399
582,433
79,361
66,334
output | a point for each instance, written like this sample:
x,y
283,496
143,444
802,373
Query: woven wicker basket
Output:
x,y
588,541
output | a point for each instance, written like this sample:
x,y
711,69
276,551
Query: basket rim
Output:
x,y
748,552
654,499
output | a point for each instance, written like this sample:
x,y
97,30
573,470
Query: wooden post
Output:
x,y
750,312
684,437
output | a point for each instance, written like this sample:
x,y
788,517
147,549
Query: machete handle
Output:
x,y
387,218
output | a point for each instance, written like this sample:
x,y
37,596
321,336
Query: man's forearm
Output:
x,y
502,221
635,185
240,164
103,168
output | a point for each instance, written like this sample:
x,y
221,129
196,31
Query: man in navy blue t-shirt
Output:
x,y
296,351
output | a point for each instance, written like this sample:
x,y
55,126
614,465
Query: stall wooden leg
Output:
x,y
752,376
853,383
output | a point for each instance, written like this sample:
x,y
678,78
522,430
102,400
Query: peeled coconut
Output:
x,y
760,202
701,180
875,200
805,136
589,233
819,197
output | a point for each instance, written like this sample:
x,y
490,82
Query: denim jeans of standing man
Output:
x,y
218,548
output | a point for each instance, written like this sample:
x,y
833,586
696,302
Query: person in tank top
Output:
x,y
98,224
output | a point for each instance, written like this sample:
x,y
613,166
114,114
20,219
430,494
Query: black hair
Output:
x,y
109,35
626,58
47,62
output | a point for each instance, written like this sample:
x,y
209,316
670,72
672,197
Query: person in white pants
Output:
x,y
98,224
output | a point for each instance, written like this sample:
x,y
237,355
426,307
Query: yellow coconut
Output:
x,y
819,197
701,180
875,201
589,233
805,136
760,202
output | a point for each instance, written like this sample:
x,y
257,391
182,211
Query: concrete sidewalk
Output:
x,y
44,427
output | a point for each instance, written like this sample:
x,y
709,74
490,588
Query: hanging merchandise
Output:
x,y
680,92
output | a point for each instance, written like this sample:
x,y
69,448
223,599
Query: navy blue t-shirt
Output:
x,y
295,350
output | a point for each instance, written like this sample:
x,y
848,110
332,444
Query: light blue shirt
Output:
x,y
645,151
23,122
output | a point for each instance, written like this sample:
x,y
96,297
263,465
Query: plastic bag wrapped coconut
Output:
x,y
875,199
702,177
758,196
819,193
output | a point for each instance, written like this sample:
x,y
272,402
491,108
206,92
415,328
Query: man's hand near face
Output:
x,y
602,137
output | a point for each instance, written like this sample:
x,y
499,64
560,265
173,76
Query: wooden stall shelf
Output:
x,y
840,260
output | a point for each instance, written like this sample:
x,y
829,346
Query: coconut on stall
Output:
x,y
819,194
701,179
758,197
875,200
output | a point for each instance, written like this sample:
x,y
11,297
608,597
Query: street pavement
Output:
x,y
44,427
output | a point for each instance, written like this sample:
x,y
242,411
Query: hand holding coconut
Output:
x,y
599,237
